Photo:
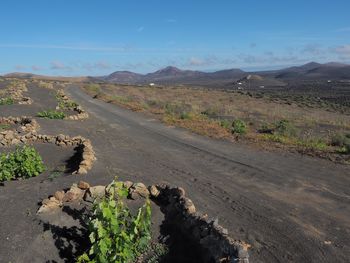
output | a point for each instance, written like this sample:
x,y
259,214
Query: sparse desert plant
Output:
x,y
24,162
185,116
285,128
313,144
226,124
152,103
93,89
4,126
211,112
342,141
51,114
239,127
65,104
115,234
6,101
120,99
177,108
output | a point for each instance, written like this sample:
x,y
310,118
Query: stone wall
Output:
x,y
27,133
81,113
179,211
15,91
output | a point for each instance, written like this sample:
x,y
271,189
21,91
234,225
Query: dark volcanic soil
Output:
x,y
289,207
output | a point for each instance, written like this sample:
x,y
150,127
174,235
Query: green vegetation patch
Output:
x,y
51,114
285,128
65,104
116,235
24,162
225,124
6,101
120,99
239,127
4,126
342,141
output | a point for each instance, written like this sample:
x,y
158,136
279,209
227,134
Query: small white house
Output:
x,y
152,84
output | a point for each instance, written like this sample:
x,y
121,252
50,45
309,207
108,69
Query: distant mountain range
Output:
x,y
174,76
222,79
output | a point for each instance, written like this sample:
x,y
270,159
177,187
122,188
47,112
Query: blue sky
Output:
x,y
90,37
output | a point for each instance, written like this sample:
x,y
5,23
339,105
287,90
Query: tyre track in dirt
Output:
x,y
285,205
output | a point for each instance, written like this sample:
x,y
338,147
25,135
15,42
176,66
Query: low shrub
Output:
x,y
285,128
185,116
314,144
342,141
24,162
94,88
226,124
177,108
239,127
211,112
120,99
275,138
115,234
6,101
51,114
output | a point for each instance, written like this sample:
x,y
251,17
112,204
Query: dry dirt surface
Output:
x,y
289,207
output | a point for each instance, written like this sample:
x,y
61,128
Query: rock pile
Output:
x,y
179,211
26,124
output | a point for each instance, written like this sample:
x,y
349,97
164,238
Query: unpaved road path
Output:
x,y
289,207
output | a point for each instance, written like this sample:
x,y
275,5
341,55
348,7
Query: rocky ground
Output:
x,y
288,207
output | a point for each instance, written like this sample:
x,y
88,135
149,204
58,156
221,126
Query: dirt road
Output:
x,y
289,207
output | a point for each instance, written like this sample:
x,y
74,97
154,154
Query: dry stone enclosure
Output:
x,y
179,213
27,132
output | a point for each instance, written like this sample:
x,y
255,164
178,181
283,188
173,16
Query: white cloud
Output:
x,y
196,62
312,49
57,65
100,65
36,68
343,51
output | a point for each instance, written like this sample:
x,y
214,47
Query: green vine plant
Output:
x,y
116,235
24,162
51,114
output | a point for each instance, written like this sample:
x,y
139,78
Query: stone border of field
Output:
x,y
30,126
15,91
81,113
177,208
